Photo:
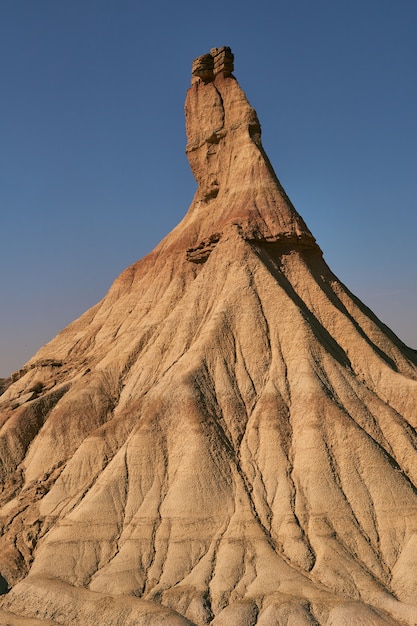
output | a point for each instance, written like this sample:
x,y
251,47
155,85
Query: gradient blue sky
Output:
x,y
92,163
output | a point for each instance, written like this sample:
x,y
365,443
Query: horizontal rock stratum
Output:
x,y
228,437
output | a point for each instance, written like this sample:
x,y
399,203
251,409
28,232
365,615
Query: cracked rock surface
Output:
x,y
228,437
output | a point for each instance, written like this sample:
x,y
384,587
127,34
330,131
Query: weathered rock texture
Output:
x,y
228,437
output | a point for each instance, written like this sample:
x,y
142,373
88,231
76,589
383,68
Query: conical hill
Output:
x,y
228,437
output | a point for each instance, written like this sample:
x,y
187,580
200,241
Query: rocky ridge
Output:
x,y
228,437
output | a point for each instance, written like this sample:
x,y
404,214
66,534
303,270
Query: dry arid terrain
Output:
x,y
228,437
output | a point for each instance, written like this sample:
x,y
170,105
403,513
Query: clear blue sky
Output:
x,y
92,163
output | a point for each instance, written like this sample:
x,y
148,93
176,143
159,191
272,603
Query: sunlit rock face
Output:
x,y
228,437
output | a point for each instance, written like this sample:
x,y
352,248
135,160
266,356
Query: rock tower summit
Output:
x,y
182,453
208,66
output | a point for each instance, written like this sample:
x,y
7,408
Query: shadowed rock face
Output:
x,y
228,437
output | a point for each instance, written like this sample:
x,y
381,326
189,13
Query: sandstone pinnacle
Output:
x,y
228,437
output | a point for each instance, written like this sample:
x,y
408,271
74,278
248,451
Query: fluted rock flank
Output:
x,y
228,437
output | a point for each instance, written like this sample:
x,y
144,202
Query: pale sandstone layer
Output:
x,y
228,437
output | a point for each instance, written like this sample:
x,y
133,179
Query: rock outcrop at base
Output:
x,y
228,437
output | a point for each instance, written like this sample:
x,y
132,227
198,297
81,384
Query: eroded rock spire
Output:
x,y
228,437
237,186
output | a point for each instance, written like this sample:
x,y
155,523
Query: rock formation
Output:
x,y
228,437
